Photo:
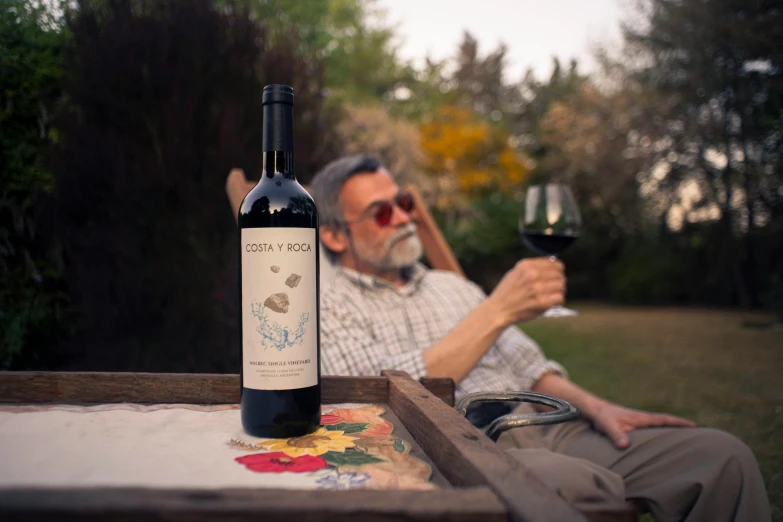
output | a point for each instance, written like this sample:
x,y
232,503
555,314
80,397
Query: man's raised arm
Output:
x,y
525,292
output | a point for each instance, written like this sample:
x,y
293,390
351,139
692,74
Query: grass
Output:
x,y
718,368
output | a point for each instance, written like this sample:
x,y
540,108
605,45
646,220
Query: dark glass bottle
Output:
x,y
279,287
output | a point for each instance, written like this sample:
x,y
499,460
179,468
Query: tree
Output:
x,y
718,68
164,98
479,83
30,298
536,98
397,142
466,155
586,140
467,111
350,36
586,136
468,80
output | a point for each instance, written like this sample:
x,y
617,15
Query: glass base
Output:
x,y
559,311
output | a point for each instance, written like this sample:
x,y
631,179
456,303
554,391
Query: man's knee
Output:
x,y
720,445
720,476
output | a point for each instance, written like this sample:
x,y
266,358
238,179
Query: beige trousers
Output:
x,y
681,474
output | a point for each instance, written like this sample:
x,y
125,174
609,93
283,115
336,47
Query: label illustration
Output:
x,y
279,308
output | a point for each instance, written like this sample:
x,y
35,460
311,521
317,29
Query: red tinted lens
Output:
x,y
383,214
405,201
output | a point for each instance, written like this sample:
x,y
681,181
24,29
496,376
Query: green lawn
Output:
x,y
719,368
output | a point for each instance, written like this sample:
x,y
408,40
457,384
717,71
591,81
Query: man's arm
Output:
x,y
557,386
526,291
608,418
459,351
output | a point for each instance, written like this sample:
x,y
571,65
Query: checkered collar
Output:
x,y
414,274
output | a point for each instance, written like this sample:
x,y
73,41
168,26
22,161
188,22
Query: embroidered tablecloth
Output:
x,y
188,446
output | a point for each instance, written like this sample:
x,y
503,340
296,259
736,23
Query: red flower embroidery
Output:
x,y
278,462
328,418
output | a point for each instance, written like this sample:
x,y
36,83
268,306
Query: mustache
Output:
x,y
404,233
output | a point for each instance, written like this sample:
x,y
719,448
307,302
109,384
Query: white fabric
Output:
x,y
173,446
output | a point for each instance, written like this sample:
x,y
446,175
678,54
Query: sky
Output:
x,y
533,30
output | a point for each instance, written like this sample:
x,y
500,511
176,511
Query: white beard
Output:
x,y
404,253
400,251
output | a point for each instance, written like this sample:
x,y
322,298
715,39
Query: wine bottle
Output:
x,y
278,267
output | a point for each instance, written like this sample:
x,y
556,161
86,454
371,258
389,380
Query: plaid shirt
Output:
x,y
368,325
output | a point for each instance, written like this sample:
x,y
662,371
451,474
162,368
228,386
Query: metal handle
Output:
x,y
564,411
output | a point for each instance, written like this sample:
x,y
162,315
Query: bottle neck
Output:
x,y
278,164
277,143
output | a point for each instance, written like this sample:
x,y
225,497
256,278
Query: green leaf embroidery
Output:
x,y
348,427
399,446
350,458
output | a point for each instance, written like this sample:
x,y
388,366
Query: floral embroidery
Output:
x,y
328,419
369,414
370,443
279,462
317,443
348,480
353,448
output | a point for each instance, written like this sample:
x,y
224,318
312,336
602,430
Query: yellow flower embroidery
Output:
x,y
317,443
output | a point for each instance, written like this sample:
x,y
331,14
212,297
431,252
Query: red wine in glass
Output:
x,y
547,244
550,223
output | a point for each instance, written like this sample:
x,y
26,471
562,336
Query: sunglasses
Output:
x,y
384,210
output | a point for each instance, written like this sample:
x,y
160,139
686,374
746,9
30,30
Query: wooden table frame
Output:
x,y
489,485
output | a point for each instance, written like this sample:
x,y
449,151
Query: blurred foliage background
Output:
x,y
119,121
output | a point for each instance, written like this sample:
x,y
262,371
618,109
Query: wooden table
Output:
x,y
478,482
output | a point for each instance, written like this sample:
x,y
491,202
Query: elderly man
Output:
x,y
384,310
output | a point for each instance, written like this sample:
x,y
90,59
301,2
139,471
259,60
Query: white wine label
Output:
x,y
279,322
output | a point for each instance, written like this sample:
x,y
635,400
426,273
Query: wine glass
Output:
x,y
550,223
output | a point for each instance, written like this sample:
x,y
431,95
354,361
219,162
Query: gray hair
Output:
x,y
327,183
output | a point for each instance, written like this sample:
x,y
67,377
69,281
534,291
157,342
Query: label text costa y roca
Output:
x,y
279,247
